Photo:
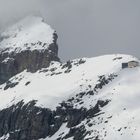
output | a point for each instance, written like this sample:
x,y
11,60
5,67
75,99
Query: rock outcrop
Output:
x,y
28,122
14,61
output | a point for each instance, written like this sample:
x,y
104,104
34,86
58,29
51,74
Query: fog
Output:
x,y
86,28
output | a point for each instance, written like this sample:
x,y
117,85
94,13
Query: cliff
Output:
x,y
30,44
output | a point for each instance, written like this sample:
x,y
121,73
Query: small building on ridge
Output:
x,y
130,64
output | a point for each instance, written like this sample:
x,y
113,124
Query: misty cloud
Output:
x,y
12,10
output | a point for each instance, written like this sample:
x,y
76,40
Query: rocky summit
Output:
x,y
30,44
42,98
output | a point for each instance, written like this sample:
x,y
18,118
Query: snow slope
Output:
x,y
30,31
41,84
118,120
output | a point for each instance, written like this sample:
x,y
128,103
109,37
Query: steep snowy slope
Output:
x,y
88,99
60,81
119,120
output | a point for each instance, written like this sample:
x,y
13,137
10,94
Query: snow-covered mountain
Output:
x,y
82,99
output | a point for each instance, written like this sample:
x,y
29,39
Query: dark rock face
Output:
x,y
28,122
23,123
30,60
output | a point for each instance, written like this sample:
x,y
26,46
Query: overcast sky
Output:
x,y
85,28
